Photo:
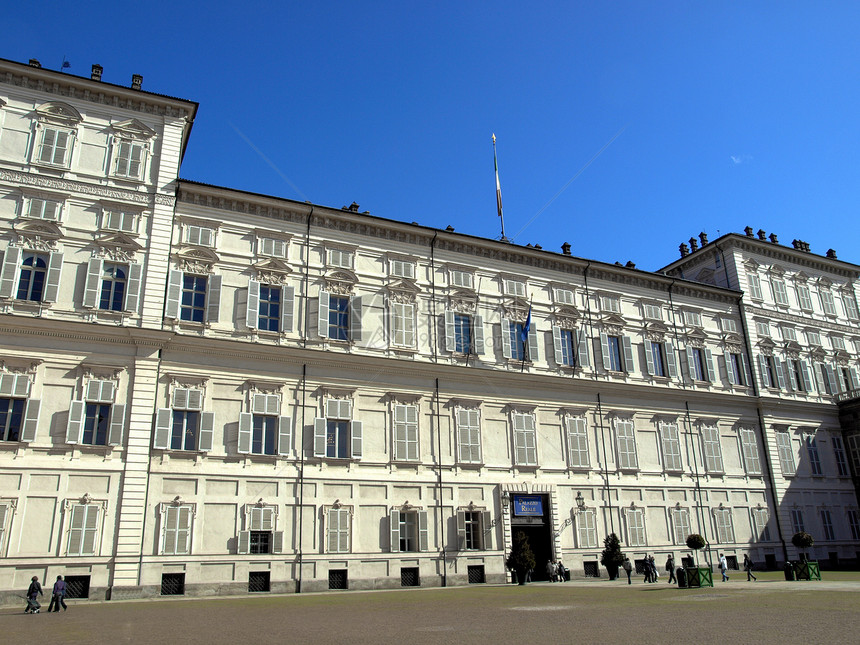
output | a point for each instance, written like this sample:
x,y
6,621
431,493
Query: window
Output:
x,y
405,432
262,431
199,235
762,329
563,296
760,519
515,288
37,275
754,285
469,436
474,530
5,506
340,317
119,220
693,318
338,529
736,368
402,269
660,359
19,416
653,312
570,347
55,146
519,343
96,420
847,378
729,325
408,530
270,307
41,208
614,350
850,304
671,444
193,298
260,536
780,295
700,363
130,159
184,426
627,459
464,333
635,526
798,375
525,448
814,457
786,454
337,436
827,302
854,524
839,455
112,287
577,442
403,324
83,529
272,247
749,449
788,333
827,524
796,520
771,372
461,279
587,529
711,449
813,337
339,258
803,297
853,441
725,529
176,529
611,304
838,342
680,524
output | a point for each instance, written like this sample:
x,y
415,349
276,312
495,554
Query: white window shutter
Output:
x,y
183,533
629,366
486,530
691,362
320,431
75,426
649,357
163,419
76,529
288,302
461,530
507,350
52,284
730,368
556,345
244,542
670,360
132,293
117,425
583,348
478,334
285,435
93,282
207,431
804,375
31,423
213,298
791,378
355,318
709,365
780,377
423,533
174,294
746,376
246,421
9,274
449,331
394,521
604,351
762,368
253,309
277,541
356,439
258,403
322,324
534,349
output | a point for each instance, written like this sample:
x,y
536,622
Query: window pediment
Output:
x,y
58,112
751,265
613,320
341,281
403,285
732,339
841,357
793,347
800,277
272,266
767,346
706,276
776,270
825,282
196,259
516,309
41,229
566,317
117,246
818,354
134,129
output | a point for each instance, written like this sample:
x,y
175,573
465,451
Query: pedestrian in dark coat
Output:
x,y
33,592
628,568
670,567
748,567
58,595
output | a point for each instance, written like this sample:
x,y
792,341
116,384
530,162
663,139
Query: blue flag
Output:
x,y
524,334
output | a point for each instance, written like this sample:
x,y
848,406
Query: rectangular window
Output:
x,y
337,528
409,531
656,358
260,536
83,529
269,315
671,444
587,529
770,371
402,269
518,346
853,441
803,297
48,209
735,365
469,436
814,458
813,337
11,418
760,519
680,525
653,312
786,454
577,442
200,235
729,325
699,373
796,375
515,288
184,426
272,247
611,304
788,333
839,455
176,536
33,276
854,523
567,347
762,329
837,342
525,447
693,318
797,521
614,355
337,436
264,435
118,220
850,304
780,295
563,296
405,432
461,279
464,333
635,526
627,459
184,430
827,525
130,157
340,258
4,513
469,529
55,146
754,285
193,307
96,420
403,324
725,528
338,317
96,423
749,448
711,449
827,302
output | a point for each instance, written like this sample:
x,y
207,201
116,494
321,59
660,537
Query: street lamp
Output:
x,y
580,502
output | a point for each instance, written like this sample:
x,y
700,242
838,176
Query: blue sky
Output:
x,y
718,115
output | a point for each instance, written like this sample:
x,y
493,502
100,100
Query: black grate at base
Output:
x,y
592,570
172,584
77,586
337,579
409,577
258,581
476,574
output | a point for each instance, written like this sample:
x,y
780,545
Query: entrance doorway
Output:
x,y
531,516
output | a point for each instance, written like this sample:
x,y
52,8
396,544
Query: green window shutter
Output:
x,y
117,425
277,541
762,368
132,294
780,377
394,522
174,294
730,368
246,421
163,423
285,435
93,282
31,420
52,284
629,366
288,300
691,362
320,431
709,365
253,310
75,425
213,299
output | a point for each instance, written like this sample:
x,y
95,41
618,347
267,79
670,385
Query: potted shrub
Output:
x,y
698,576
521,558
804,570
612,556
802,540
694,543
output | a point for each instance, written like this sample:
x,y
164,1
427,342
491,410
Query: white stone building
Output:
x,y
205,390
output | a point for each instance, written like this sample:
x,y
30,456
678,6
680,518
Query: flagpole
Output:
x,y
498,189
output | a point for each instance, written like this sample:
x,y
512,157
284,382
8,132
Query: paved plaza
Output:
x,y
769,611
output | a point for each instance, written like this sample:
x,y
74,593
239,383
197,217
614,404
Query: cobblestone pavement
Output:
x,y
610,612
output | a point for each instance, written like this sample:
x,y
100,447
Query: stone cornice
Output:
x,y
775,314
103,192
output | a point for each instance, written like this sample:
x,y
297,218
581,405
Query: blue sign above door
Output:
x,y
529,505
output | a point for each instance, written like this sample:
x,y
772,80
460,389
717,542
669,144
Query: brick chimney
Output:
x,y
96,74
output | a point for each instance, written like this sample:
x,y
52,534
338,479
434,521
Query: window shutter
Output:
x,y
117,425
649,357
604,350
259,404
583,348
174,293
804,375
91,524
244,542
355,314
520,448
9,274
556,345
486,530
762,368
449,331
478,334
285,435
507,350
213,298
76,529
52,284
355,438
780,379
709,365
422,531
132,294
75,426
288,299
246,421
394,521
320,428
730,368
791,377
746,377
207,431
830,375
854,382
91,288
31,421
691,362
461,530
183,532
534,348
163,418
628,355
277,541
253,309
670,360
322,326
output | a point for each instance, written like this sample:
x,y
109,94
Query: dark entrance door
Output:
x,y
531,516
541,544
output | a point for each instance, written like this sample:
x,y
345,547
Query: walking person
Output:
x,y
33,592
748,567
670,567
724,566
550,570
628,568
561,570
58,595
646,569
655,574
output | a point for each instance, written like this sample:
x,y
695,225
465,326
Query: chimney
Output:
x,y
748,230
703,238
831,254
773,238
684,250
35,63
538,247
630,264
797,244
136,81
805,246
565,248
449,228
96,74
762,235
694,246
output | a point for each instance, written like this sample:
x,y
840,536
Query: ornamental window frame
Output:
x,y
131,148
627,457
524,436
680,517
405,431
260,518
338,523
263,430
176,527
750,451
337,429
96,405
171,423
17,389
468,425
576,433
723,525
474,528
55,127
670,446
634,524
412,520
83,529
586,528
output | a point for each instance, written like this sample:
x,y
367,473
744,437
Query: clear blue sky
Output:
x,y
729,113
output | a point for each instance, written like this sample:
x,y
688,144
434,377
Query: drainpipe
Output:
x,y
439,482
306,276
433,321
302,479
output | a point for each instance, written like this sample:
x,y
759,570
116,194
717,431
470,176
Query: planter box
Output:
x,y
699,577
807,570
